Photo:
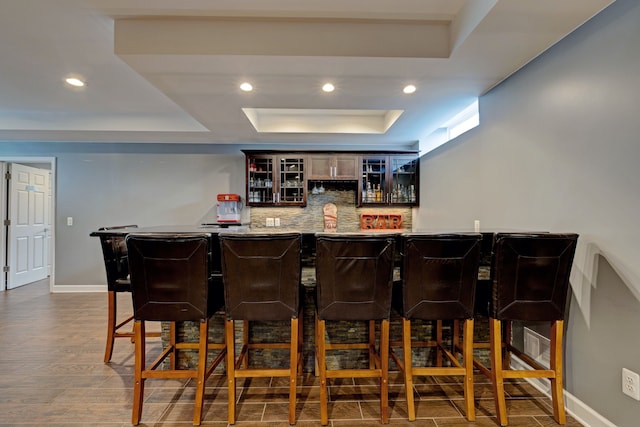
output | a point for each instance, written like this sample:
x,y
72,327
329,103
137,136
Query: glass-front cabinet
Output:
x,y
261,176
292,184
374,185
274,179
389,180
404,180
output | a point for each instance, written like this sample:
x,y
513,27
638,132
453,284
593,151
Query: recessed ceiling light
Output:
x,y
409,89
328,87
74,81
246,86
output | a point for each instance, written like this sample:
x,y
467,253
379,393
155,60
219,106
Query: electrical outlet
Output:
x,y
270,222
276,222
476,225
631,383
69,221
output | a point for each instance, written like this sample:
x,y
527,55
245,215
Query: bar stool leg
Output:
x,y
322,367
229,336
172,344
495,333
408,368
293,368
111,325
202,368
139,366
557,393
467,355
384,368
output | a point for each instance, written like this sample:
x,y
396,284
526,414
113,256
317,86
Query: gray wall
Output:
x,y
145,184
558,149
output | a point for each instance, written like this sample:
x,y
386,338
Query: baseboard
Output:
x,y
575,407
82,288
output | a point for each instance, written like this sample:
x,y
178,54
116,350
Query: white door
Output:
x,y
47,209
28,227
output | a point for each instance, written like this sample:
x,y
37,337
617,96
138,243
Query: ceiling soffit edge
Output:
x,y
283,37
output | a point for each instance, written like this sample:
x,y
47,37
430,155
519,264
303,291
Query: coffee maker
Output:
x,y
229,208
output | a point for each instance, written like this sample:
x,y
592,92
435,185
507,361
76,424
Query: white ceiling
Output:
x,y
169,70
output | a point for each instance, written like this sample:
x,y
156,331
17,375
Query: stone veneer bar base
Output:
x,y
337,332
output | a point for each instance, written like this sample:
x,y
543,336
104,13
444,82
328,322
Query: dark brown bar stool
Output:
x,y
354,278
261,274
114,252
439,275
530,283
171,282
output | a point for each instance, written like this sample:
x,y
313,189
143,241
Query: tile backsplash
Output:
x,y
310,218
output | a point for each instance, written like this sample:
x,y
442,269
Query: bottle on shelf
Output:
x,y
369,192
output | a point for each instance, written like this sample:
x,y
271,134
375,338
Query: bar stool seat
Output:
x,y
354,278
261,274
171,281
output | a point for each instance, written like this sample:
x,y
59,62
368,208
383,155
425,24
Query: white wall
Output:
x,y
558,149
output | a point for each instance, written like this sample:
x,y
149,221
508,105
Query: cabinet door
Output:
x,y
293,185
345,167
320,166
261,177
329,166
373,184
404,180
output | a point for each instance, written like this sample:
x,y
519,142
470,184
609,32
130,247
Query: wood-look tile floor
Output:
x,y
52,373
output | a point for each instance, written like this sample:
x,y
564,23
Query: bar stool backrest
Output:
x,y
114,252
439,275
354,276
261,274
531,275
170,277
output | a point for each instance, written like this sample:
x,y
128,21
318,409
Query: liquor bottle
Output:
x,y
378,194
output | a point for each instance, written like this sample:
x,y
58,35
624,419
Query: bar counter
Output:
x,y
278,331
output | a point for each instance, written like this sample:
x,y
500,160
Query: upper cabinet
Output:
x,y
381,179
276,180
331,166
389,180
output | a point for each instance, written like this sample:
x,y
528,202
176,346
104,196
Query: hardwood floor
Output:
x,y
52,373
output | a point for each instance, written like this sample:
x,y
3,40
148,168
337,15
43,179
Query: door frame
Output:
x,y
51,162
